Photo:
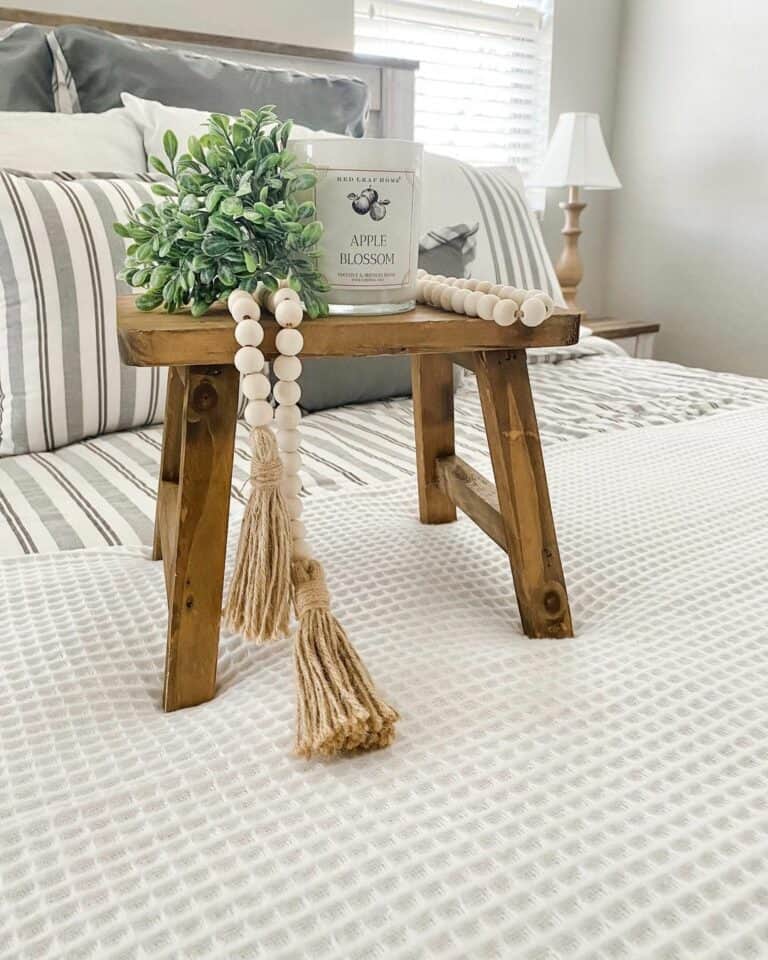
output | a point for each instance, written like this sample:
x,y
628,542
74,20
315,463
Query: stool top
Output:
x,y
179,339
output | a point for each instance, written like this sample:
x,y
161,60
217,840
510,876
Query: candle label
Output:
x,y
368,235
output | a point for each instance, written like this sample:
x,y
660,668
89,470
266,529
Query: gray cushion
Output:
x,y
26,70
103,66
335,382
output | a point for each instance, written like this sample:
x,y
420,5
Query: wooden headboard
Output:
x,y
390,81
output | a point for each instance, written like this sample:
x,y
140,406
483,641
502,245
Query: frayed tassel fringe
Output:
x,y
338,710
259,601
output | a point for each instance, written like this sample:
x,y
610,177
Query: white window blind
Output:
x,y
482,90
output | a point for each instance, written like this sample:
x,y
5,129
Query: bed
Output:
x,y
585,799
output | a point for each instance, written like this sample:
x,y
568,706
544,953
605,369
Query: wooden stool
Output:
x,y
198,448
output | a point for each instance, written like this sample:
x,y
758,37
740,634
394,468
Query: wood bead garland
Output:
x,y
338,709
503,304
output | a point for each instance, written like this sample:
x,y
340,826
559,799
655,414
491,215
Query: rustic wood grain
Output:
x,y
170,456
473,495
194,537
432,380
159,339
523,496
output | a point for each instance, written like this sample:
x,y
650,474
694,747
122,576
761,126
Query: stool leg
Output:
x,y
432,381
521,484
194,533
171,451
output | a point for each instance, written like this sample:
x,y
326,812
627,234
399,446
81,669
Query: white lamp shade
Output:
x,y
577,156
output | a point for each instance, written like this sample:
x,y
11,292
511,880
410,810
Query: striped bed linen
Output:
x,y
101,492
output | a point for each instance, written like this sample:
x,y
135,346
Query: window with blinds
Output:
x,y
482,89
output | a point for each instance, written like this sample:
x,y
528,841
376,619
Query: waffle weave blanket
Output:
x,y
600,798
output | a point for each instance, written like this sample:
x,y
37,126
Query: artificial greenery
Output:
x,y
231,215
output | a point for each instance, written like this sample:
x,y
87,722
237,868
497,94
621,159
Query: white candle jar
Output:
x,y
368,198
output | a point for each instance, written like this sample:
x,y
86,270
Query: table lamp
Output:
x,y
576,157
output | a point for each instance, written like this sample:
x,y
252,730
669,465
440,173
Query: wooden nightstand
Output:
x,y
636,338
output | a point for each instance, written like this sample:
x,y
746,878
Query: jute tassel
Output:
x,y
337,707
259,602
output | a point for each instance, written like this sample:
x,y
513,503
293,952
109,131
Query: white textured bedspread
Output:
x,y
600,798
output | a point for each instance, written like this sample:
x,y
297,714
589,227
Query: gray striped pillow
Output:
x,y
61,378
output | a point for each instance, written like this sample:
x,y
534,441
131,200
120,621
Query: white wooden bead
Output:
x,y
439,278
496,289
451,281
486,304
290,486
463,283
548,302
534,293
289,342
507,293
255,386
238,295
484,286
533,312
435,294
445,297
260,294
458,297
288,416
301,549
258,413
288,313
249,333
471,283
420,291
286,368
291,463
420,274
245,308
505,313
426,290
298,529
287,391
249,360
470,303
284,293
295,507
289,440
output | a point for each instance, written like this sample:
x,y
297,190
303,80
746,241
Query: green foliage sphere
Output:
x,y
231,215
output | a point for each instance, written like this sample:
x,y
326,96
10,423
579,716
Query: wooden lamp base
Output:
x,y
569,267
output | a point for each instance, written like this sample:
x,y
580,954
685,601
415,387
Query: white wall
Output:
x,y
584,63
687,234
314,23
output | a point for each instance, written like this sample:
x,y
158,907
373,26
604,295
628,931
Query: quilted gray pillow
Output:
x,y
95,67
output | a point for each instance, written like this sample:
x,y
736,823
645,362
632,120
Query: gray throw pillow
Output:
x,y
26,69
334,382
101,66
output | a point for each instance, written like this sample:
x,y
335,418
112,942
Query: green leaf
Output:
x,y
250,261
170,145
162,190
270,282
195,149
312,233
304,181
221,224
160,276
294,283
149,301
216,196
158,164
200,307
231,207
122,230
190,204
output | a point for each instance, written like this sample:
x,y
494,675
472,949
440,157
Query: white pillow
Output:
x,y
108,141
153,119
